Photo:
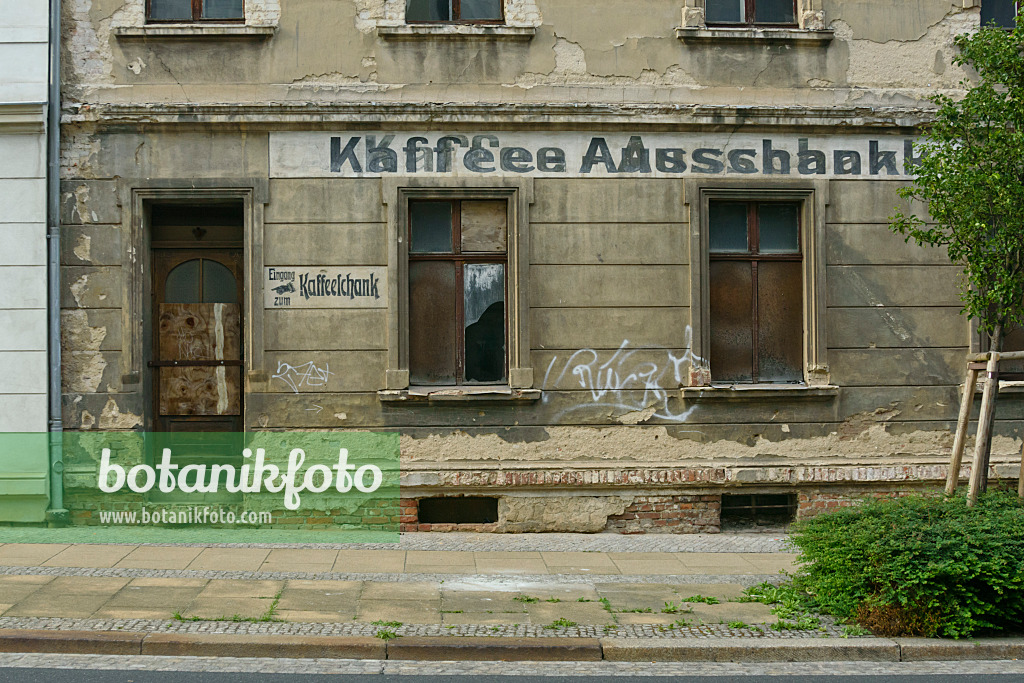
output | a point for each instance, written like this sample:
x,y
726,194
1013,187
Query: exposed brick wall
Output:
x,y
815,501
669,514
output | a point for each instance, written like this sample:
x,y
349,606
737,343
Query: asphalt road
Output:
x,y
30,675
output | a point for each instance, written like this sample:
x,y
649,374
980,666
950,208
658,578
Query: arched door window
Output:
x,y
200,281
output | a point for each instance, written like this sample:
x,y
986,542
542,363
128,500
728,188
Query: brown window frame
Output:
x,y
456,11
460,259
749,12
754,257
197,16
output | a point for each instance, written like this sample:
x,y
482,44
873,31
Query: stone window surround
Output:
x,y
521,20
396,194
261,20
810,20
813,196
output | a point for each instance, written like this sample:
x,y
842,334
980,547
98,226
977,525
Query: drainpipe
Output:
x,y
56,515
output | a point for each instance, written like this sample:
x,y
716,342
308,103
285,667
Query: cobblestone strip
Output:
x,y
829,629
554,542
345,666
491,579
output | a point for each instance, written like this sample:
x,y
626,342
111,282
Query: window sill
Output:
x,y
744,392
456,31
194,32
755,35
484,394
1012,387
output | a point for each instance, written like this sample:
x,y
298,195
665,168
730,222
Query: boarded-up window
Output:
x,y
780,12
756,291
458,253
466,11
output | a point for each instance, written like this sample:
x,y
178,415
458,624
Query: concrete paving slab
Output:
x,y
374,561
413,590
99,556
405,611
718,563
159,557
315,617
225,608
152,597
299,560
581,612
493,618
230,559
506,555
476,601
128,613
239,588
648,567
57,604
14,591
440,568
722,591
319,601
564,591
28,554
510,566
76,585
327,586
578,559
168,582
439,557
748,612
651,618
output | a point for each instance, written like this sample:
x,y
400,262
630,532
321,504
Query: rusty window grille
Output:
x,y
758,509
756,292
458,252
1001,12
455,11
195,10
750,12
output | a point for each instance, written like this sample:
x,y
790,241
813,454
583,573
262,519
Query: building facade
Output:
x,y
24,56
618,266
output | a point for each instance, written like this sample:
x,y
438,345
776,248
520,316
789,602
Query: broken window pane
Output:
x,y
724,11
223,9
431,227
433,344
170,10
732,324
480,10
779,321
774,12
779,228
484,226
484,306
728,227
182,284
428,10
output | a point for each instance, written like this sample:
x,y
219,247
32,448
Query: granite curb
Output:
x,y
425,648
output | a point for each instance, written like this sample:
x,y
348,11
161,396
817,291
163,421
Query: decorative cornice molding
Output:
x,y
396,115
22,118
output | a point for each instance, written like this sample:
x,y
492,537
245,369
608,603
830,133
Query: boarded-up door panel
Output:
x,y
199,332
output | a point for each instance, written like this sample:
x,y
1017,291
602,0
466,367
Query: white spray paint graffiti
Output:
x,y
615,382
305,375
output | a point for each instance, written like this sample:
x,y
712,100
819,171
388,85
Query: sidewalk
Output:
x,y
377,602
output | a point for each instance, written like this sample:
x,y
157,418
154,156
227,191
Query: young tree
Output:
x,y
971,175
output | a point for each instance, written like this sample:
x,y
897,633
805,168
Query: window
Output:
x,y
195,10
458,253
460,11
1002,12
747,12
755,283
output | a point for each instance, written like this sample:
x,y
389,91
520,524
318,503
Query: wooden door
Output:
x,y
197,340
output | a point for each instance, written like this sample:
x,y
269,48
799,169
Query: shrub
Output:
x,y
919,565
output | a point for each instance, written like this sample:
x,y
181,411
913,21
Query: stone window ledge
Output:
x,y
456,31
755,35
753,392
194,32
474,394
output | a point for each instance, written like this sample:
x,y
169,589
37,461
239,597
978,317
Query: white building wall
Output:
x,y
23,340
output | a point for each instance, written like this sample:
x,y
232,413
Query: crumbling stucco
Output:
x,y
882,22
82,364
113,418
581,514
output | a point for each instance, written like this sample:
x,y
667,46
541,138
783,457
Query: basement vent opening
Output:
x,y
758,509
458,510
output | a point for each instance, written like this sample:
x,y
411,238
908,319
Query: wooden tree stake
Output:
x,y
979,467
953,476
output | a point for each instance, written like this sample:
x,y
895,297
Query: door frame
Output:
x,y
139,195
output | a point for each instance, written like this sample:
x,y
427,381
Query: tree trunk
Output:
x,y
983,441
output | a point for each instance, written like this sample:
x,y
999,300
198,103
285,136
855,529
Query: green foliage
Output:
x,y
917,565
673,608
707,600
391,624
526,599
971,174
386,634
561,622
737,624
